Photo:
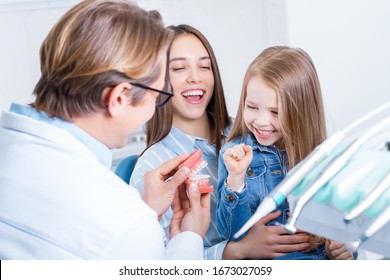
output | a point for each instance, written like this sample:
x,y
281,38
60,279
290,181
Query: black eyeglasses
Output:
x,y
165,94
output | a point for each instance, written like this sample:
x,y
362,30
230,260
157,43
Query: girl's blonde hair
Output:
x,y
291,73
95,45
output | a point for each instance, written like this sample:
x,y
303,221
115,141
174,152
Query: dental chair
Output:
x,y
125,167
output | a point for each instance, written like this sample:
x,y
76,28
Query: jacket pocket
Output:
x,y
255,183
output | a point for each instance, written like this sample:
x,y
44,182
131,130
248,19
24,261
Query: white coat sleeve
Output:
x,y
186,245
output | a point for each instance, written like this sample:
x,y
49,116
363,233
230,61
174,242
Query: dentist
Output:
x,y
102,75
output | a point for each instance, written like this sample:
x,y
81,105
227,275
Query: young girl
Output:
x,y
280,120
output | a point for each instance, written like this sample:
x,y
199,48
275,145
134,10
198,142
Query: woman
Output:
x,y
195,118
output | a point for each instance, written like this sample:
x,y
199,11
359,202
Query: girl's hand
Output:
x,y
237,160
337,251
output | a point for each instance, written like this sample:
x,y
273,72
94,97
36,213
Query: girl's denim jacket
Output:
x,y
265,172
267,169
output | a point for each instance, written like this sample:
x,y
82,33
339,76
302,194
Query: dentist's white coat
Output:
x,y
57,201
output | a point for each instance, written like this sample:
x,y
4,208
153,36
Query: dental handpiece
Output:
x,y
330,171
382,220
371,198
293,178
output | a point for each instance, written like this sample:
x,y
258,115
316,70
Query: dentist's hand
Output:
x,y
158,192
191,211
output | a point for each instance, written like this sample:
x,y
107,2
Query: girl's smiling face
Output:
x,y
261,112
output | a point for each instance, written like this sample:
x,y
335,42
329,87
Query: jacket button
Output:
x,y
249,172
231,198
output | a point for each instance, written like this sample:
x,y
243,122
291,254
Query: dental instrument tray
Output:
x,y
353,206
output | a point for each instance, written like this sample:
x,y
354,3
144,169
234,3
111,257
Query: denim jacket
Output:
x,y
266,171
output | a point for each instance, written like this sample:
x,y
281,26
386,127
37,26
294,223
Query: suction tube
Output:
x,y
376,225
370,199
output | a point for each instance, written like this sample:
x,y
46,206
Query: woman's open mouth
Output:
x,y
193,96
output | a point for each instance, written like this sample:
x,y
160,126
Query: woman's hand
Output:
x,y
267,242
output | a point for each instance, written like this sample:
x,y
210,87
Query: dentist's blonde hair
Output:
x,y
96,45
291,73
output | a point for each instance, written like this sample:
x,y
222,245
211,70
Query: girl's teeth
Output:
x,y
264,132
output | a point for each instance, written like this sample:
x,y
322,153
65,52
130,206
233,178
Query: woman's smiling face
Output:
x,y
191,75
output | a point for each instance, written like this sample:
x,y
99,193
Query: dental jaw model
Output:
x,y
196,164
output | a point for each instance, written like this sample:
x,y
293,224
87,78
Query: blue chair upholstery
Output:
x,y
125,167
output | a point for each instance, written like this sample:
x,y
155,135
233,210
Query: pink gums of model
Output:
x,y
196,164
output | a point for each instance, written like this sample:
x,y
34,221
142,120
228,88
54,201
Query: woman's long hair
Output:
x,y
158,127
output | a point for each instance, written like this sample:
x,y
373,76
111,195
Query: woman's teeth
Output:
x,y
193,93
